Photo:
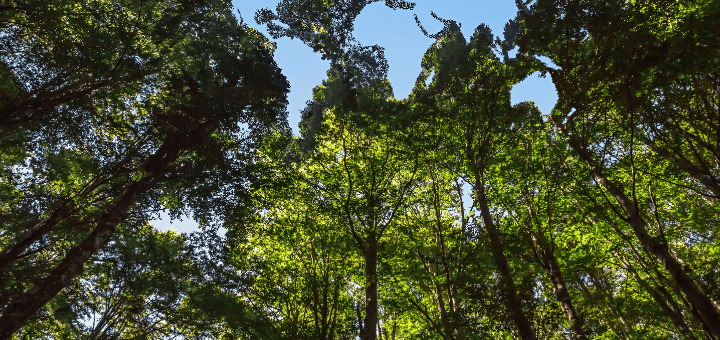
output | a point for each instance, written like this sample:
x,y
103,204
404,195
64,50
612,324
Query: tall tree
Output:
x,y
174,127
297,249
471,89
451,214
601,71
374,175
529,186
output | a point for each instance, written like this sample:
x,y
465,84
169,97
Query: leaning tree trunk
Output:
x,y
523,324
26,305
601,305
675,315
697,298
552,269
39,228
36,230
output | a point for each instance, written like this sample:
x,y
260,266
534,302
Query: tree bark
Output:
x,y
697,298
523,324
674,315
678,159
661,278
603,305
369,329
41,228
446,330
552,269
26,305
444,320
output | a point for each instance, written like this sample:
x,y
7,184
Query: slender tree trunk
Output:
x,y
679,160
706,329
448,312
325,309
608,299
674,315
600,306
697,298
369,329
380,331
26,305
661,278
444,319
523,324
552,269
39,228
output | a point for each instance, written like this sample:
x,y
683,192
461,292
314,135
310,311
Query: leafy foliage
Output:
x,y
449,215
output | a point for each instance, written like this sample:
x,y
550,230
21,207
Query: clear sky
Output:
x,y
404,44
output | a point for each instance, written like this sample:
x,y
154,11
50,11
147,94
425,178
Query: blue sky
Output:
x,y
404,44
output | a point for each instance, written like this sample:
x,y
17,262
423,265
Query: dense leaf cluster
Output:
x,y
451,214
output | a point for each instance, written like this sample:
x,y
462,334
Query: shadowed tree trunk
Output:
x,y
602,304
697,298
546,257
369,329
21,309
674,315
521,321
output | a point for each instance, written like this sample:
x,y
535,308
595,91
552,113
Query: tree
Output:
x,y
170,129
451,214
530,188
296,250
598,80
434,253
132,288
471,90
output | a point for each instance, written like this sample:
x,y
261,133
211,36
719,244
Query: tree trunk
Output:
x,y
369,329
609,299
552,269
674,315
523,324
448,314
603,305
27,304
41,228
444,318
661,278
678,159
697,298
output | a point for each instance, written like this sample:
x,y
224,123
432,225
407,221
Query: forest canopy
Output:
x,y
451,214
